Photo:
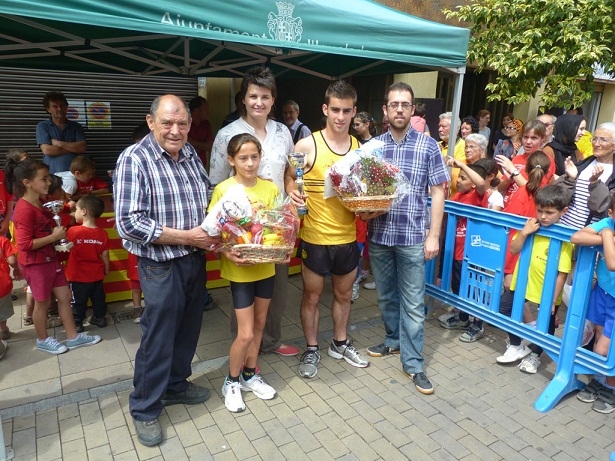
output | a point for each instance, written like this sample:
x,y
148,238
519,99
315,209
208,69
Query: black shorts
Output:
x,y
245,292
330,259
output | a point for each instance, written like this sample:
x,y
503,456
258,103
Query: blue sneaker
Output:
x,y
82,340
51,345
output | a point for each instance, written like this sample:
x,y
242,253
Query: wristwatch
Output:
x,y
514,173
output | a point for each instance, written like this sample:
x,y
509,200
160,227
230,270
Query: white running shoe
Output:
x,y
232,396
513,353
530,363
258,386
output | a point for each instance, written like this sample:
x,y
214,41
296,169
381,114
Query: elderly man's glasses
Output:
x,y
395,105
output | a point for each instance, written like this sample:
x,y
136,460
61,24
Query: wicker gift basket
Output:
x,y
368,204
259,254
364,181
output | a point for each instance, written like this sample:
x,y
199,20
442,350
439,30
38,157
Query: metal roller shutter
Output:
x,y
21,108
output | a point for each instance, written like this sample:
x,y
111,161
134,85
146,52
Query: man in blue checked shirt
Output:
x,y
399,243
160,202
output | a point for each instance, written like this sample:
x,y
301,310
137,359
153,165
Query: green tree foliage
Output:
x,y
531,42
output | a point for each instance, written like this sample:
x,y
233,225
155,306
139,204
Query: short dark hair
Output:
x,y
472,122
260,76
92,203
341,89
490,165
399,86
195,103
53,96
420,109
480,170
552,196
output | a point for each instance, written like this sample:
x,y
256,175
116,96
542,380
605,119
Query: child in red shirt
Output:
x,y
36,236
471,188
84,171
88,262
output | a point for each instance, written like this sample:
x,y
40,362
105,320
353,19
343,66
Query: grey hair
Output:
x,y
479,140
448,116
290,102
156,104
609,126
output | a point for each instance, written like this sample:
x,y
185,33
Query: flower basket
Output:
x,y
367,203
259,254
365,182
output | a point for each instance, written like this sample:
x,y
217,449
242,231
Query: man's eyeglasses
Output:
x,y
601,140
395,105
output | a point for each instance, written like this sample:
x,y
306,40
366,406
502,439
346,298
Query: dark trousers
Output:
x,y
175,292
551,330
84,291
506,304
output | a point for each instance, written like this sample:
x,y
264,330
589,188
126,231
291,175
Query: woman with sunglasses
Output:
x,y
510,147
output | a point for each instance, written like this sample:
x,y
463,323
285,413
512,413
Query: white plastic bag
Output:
x,y
233,205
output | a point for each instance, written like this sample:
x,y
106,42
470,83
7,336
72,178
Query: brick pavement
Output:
x,y
480,410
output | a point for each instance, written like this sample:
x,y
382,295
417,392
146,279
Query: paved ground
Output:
x,y
75,406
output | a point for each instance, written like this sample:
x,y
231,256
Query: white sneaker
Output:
x,y
513,353
355,292
232,396
258,386
530,363
369,285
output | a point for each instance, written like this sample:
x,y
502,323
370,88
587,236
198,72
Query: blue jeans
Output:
x,y
399,272
171,322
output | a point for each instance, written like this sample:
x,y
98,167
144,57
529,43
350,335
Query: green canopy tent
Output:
x,y
328,39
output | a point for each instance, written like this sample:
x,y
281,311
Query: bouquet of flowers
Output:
x,y
364,181
260,235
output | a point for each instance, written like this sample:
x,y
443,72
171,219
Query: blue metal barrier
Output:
x,y
482,277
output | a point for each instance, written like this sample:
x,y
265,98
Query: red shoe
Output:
x,y
286,350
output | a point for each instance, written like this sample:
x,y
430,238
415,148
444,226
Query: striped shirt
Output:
x,y
420,159
578,212
153,190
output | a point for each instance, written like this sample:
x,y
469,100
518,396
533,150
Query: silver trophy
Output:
x,y
297,160
56,207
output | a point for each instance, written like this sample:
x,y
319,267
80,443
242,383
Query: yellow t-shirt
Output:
x,y
328,222
538,266
459,154
264,193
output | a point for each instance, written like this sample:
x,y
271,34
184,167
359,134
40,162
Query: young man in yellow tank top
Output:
x,y
329,235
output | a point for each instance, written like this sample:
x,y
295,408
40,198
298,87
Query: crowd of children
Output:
x,y
58,284
531,189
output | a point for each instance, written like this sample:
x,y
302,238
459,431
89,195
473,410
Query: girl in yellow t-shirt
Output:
x,y
251,284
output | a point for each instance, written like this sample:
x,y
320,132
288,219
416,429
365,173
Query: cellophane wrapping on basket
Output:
x,y
364,181
263,235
